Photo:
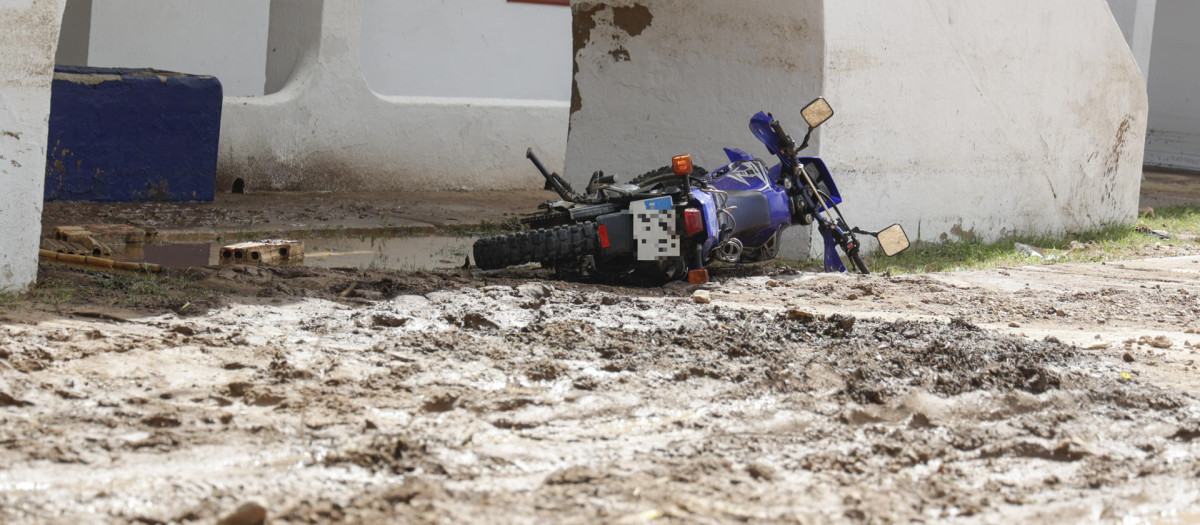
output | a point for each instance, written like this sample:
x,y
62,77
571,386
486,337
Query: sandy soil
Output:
x,y
1043,394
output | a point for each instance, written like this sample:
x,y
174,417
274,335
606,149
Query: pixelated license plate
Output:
x,y
654,229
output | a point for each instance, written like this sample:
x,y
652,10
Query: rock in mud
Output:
x,y
702,296
440,402
1128,357
161,421
1159,342
573,476
844,322
414,488
388,321
475,321
247,514
10,401
762,471
800,315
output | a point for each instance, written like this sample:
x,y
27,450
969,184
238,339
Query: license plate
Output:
x,y
654,229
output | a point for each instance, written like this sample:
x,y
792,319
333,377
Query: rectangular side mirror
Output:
x,y
817,112
893,240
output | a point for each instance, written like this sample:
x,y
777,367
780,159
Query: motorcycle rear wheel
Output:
x,y
548,246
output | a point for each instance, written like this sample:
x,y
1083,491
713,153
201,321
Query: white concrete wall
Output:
x,y
1136,20
326,129
982,119
436,48
28,37
1174,137
961,120
467,48
688,82
75,35
225,38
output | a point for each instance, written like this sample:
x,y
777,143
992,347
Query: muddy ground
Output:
x,y
1042,394
1056,393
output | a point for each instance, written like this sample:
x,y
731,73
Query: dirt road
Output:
x,y
1044,394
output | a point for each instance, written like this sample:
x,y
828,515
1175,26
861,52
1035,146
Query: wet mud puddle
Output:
x,y
392,253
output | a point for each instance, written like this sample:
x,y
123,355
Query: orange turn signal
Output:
x,y
698,277
682,165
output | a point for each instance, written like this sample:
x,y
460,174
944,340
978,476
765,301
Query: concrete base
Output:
x,y
325,130
28,36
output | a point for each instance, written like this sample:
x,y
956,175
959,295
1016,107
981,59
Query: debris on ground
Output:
x,y
378,396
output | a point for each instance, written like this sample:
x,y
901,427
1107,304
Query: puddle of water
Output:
x,y
393,253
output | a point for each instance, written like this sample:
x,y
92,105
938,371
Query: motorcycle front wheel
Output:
x,y
548,246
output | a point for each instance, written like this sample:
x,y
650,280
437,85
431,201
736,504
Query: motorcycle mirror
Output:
x,y
893,240
817,112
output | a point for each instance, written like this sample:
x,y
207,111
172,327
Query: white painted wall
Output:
x,y
28,37
689,82
982,119
1136,20
1174,137
467,48
957,119
225,38
326,129
437,48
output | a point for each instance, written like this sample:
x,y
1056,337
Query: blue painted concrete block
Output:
x,y
119,135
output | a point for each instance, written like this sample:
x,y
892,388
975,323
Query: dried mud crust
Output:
x,y
449,397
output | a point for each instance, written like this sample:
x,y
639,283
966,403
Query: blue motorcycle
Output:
x,y
672,223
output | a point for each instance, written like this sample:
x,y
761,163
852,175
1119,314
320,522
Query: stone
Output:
x,y
800,315
1160,342
702,296
247,514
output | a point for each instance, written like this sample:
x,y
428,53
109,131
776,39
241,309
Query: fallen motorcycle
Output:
x,y
671,223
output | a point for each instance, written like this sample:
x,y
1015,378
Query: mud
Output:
x,y
1028,394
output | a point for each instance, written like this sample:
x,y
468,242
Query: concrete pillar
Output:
x,y
1136,20
76,34
977,120
28,38
292,25
1174,137
325,130
961,120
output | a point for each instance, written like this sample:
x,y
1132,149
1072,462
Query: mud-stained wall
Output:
x,y
980,119
658,78
28,37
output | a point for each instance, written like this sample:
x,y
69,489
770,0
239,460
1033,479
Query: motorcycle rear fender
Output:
x,y
620,233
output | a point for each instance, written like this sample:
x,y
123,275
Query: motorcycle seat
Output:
x,y
753,211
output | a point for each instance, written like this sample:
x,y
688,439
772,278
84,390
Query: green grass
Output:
x,y
1105,244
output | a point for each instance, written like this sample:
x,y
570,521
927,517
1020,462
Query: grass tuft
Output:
x,y
1116,242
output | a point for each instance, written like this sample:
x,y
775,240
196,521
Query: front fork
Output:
x,y
837,235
